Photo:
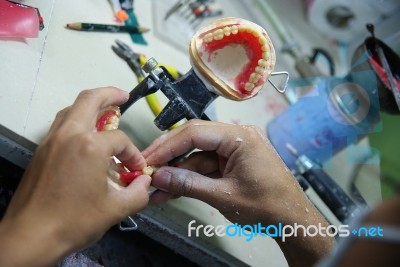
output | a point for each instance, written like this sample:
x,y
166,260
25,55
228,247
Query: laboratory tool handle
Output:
x,y
331,193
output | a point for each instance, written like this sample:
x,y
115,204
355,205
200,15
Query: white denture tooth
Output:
x,y
227,31
254,32
260,70
264,48
218,34
254,77
249,29
208,37
262,63
249,86
109,127
242,28
218,37
265,55
262,40
113,120
148,170
234,29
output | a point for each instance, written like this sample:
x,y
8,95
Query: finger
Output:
x,y
135,196
161,139
89,103
58,119
171,134
117,143
203,162
181,182
224,139
159,197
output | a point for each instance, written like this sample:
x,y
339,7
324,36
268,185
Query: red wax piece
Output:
x,y
380,70
128,177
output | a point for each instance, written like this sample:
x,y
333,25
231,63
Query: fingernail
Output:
x,y
161,179
143,179
125,95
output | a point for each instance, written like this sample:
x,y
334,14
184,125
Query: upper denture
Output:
x,y
230,32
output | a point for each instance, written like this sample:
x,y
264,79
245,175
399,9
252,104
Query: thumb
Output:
x,y
181,182
135,197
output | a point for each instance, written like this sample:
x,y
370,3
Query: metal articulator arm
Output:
x,y
144,88
188,96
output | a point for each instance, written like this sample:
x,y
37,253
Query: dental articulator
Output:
x,y
230,57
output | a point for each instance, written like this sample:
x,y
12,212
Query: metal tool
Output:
x,y
127,4
386,67
175,8
193,6
326,188
132,58
206,13
189,97
135,62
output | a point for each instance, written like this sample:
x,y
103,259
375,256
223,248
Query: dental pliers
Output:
x,y
132,58
135,61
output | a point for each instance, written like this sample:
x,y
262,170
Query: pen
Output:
x,y
106,28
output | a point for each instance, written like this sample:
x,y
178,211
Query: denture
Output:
x,y
109,120
119,174
234,55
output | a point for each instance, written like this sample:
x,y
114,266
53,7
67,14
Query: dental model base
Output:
x,y
231,57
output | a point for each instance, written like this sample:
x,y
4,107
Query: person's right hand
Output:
x,y
239,173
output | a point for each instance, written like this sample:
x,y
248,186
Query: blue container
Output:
x,y
337,112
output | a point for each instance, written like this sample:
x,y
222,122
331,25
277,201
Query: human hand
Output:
x,y
65,201
239,173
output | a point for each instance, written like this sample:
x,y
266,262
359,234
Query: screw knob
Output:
x,y
150,65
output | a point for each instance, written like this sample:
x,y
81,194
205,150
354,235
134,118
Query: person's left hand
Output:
x,y
65,201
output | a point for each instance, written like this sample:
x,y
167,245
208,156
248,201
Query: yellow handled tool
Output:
x,y
136,61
